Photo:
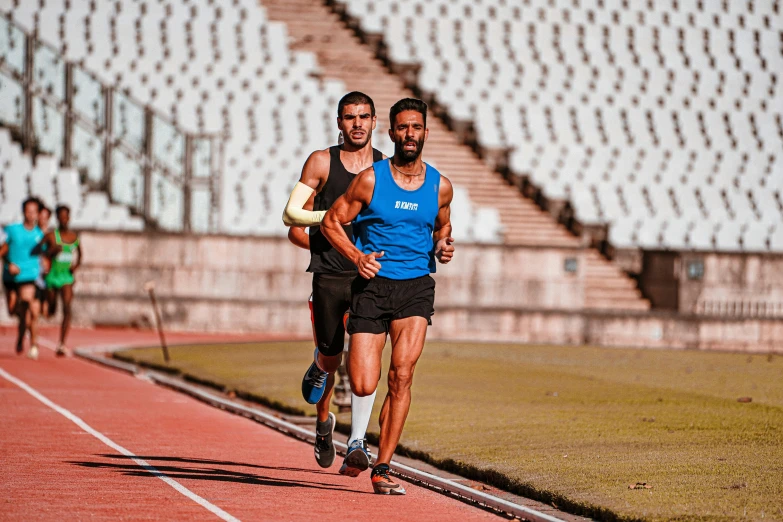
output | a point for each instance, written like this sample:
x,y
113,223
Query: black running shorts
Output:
x,y
376,302
331,299
9,285
40,294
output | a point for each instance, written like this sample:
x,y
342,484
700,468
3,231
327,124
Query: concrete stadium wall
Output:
x,y
734,284
641,330
227,283
493,293
715,284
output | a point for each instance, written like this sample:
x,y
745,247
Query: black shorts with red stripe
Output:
x,y
330,302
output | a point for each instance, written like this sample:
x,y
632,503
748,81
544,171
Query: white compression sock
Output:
x,y
361,411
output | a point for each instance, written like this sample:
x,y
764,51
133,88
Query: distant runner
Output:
x,y
63,247
23,268
44,214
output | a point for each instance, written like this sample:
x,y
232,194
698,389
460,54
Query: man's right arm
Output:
x,y
314,175
12,268
344,210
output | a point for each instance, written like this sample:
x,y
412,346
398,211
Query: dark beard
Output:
x,y
408,156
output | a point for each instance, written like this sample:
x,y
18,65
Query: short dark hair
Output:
x,y
408,104
62,207
32,200
355,98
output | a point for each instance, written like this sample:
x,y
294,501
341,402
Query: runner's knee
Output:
x,y
329,363
363,387
21,308
400,378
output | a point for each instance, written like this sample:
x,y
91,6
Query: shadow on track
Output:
x,y
213,474
211,462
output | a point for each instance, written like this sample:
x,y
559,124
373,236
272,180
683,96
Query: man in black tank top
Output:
x,y
325,177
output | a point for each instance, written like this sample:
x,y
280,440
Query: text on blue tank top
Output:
x,y
399,223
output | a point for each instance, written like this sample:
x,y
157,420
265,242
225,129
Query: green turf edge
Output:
x,y
222,388
468,471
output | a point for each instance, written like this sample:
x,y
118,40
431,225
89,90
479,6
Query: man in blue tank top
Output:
x,y
400,209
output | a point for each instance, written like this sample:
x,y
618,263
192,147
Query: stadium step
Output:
x,y
313,27
607,287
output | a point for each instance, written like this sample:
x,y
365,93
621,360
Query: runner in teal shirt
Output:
x,y
23,268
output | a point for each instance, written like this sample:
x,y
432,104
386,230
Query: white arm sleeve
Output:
x,y
295,215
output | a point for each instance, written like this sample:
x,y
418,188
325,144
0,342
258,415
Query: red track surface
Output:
x,y
54,470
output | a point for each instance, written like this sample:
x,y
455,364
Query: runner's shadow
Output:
x,y
211,462
213,474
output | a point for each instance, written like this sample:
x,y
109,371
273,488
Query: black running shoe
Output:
x,y
324,445
382,484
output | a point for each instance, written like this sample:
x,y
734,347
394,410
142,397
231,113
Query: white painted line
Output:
x,y
119,449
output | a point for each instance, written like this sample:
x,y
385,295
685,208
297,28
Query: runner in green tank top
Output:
x,y
63,248
60,272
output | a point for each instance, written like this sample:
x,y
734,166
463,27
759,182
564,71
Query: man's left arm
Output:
x,y
78,263
298,235
441,235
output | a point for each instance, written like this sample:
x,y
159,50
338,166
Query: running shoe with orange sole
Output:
x,y
382,484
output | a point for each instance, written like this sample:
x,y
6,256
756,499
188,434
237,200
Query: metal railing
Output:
x,y
740,307
138,156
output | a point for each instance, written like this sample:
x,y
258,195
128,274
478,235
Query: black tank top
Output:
x,y
324,259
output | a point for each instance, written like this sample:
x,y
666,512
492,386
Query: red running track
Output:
x,y
52,469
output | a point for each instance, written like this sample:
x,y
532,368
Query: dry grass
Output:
x,y
576,425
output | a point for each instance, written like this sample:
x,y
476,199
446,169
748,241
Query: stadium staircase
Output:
x,y
313,26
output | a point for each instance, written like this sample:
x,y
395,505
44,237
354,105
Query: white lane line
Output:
x,y
119,449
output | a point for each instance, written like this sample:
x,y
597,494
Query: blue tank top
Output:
x,y
399,223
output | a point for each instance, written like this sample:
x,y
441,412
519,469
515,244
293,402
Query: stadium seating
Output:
x,y
316,27
231,67
661,119
211,67
20,178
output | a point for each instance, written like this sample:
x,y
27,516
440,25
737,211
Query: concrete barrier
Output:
x,y
490,293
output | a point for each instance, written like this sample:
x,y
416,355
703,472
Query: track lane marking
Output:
x,y
116,447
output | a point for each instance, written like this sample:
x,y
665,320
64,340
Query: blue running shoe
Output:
x,y
314,384
356,460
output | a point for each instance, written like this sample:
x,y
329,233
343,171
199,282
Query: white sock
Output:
x,y
361,411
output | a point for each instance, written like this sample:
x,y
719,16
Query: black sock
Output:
x,y
323,428
21,310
